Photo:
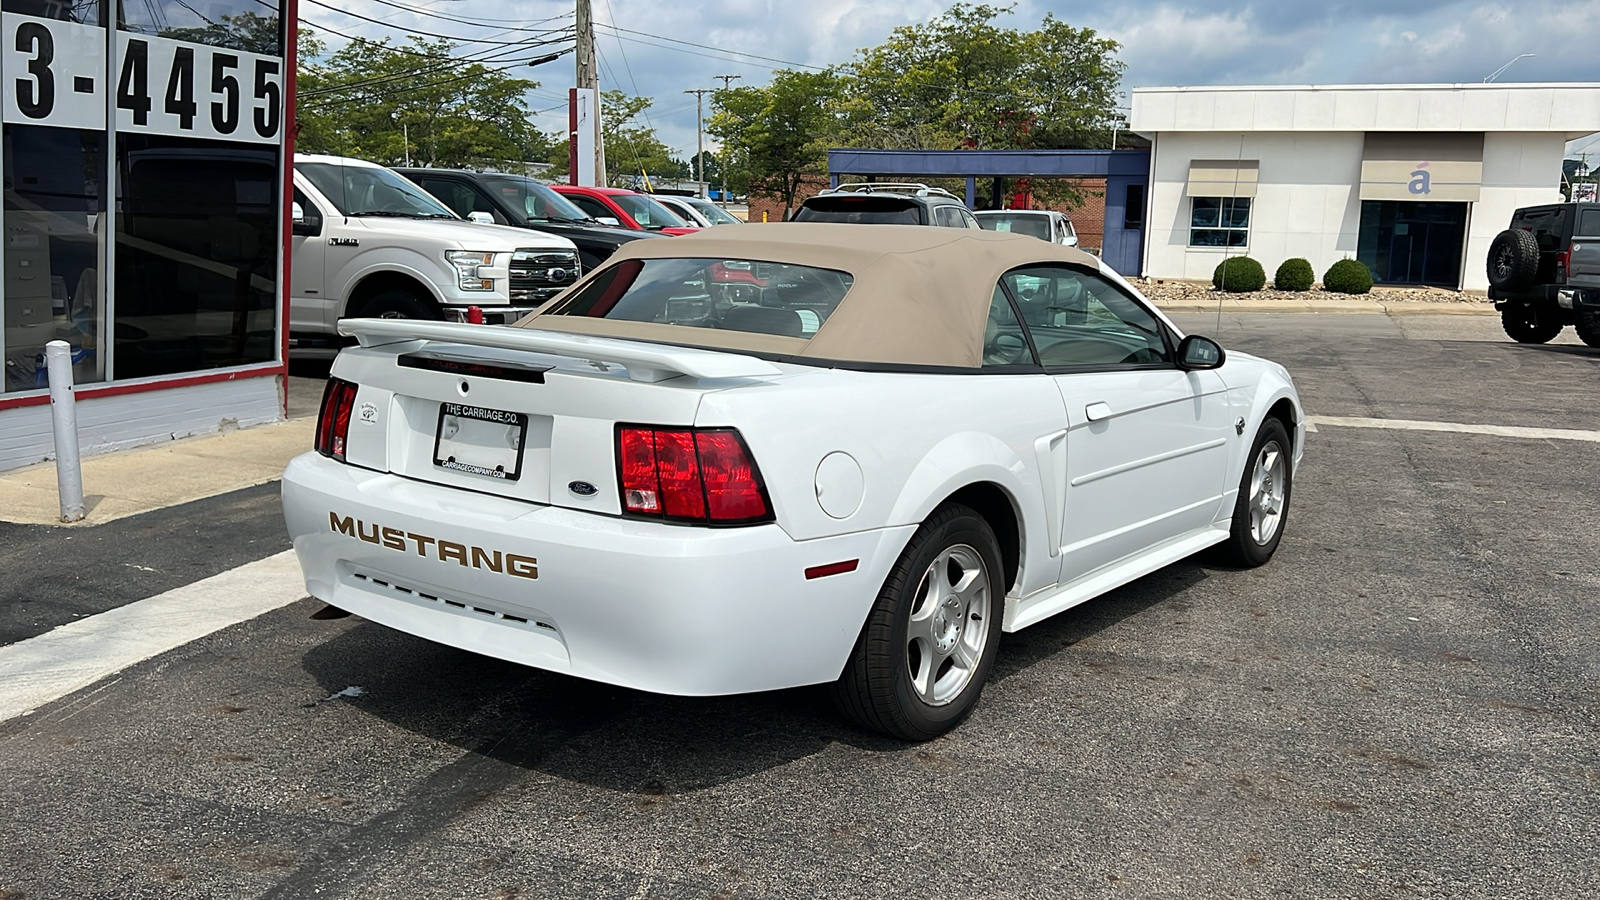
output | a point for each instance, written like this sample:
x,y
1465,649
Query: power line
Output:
x,y
620,49
426,34
503,25
454,63
658,37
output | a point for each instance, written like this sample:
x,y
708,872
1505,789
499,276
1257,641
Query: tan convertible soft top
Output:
x,y
921,294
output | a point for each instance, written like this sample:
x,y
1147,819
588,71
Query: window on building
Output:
x,y
197,254
1133,207
1219,222
53,250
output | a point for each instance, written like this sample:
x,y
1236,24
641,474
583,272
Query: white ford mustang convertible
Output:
x,y
758,458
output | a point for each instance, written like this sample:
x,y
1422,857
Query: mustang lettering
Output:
x,y
446,551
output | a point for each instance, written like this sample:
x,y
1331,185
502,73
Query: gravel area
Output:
x,y
1167,291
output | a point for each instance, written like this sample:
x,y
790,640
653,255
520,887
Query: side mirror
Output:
x,y
304,225
608,220
481,217
1196,352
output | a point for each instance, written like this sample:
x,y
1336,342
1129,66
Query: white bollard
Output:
x,y
64,416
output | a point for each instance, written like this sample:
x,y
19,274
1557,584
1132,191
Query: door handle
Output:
x,y
1097,411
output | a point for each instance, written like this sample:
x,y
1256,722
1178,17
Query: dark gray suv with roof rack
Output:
x,y
1544,272
894,203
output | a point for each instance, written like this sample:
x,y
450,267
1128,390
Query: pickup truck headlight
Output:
x,y
469,265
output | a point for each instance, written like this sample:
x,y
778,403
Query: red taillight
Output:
x,y
333,422
1563,260
690,475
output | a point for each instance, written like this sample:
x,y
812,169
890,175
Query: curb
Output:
x,y
1372,307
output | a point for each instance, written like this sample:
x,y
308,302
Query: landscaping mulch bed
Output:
x,y
1168,291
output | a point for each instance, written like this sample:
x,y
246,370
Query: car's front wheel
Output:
x,y
1526,325
1263,505
925,652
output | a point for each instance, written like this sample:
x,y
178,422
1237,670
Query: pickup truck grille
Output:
x,y
538,275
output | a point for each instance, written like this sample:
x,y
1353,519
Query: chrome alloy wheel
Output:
x,y
948,628
1267,489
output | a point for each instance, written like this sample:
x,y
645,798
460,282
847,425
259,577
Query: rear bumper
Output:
x,y
664,608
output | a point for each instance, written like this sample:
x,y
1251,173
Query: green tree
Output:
x,y
779,134
385,103
632,148
963,81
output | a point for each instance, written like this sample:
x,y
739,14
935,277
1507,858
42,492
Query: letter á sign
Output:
x,y
1421,180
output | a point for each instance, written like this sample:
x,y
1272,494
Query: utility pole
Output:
x,y
727,84
700,133
589,77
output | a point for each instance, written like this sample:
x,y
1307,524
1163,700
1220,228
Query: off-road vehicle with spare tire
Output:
x,y
1544,272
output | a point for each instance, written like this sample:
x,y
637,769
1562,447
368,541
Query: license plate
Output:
x,y
480,441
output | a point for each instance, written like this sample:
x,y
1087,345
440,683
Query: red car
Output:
x,y
630,209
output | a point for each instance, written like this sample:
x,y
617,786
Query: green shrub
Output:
x,y
1348,276
1239,275
1294,275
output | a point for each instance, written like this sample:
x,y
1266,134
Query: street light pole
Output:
x,y
700,135
1496,73
727,84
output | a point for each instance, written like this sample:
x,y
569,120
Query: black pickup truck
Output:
x,y
524,203
1544,272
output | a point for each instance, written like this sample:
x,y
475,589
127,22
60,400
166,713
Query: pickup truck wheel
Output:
x,y
399,305
1263,505
1588,327
1526,325
1513,260
930,640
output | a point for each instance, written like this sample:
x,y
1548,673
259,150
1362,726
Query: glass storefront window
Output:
x,y
250,25
84,12
1405,242
53,250
197,254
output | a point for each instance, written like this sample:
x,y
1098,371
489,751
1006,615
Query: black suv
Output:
x,y
525,203
1544,272
887,204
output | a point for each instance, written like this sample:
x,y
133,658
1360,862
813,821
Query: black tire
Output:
x,y
1513,262
1588,328
399,304
1527,325
1244,548
876,689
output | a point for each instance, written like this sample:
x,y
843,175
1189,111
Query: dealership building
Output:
x,y
145,158
1413,180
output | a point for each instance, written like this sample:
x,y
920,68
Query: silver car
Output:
x,y
1044,224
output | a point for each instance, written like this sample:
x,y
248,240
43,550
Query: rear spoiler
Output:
x,y
644,362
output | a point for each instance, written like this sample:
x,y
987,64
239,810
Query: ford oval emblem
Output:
x,y
582,488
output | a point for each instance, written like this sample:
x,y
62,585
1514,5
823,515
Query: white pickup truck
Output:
x,y
367,242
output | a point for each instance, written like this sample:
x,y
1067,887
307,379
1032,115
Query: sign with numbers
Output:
x,y
54,72
192,90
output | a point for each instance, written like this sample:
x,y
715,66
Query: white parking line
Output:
x,y
53,665
1517,431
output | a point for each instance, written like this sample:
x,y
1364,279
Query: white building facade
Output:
x,y
1413,180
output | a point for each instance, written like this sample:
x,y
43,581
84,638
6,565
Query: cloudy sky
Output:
x,y
1163,43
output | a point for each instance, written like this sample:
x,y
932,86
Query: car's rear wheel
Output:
x,y
1527,325
1263,505
929,642
1588,328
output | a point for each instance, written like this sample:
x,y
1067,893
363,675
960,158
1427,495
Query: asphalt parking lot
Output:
x,y
1404,703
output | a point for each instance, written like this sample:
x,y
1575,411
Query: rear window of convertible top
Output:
x,y
730,294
